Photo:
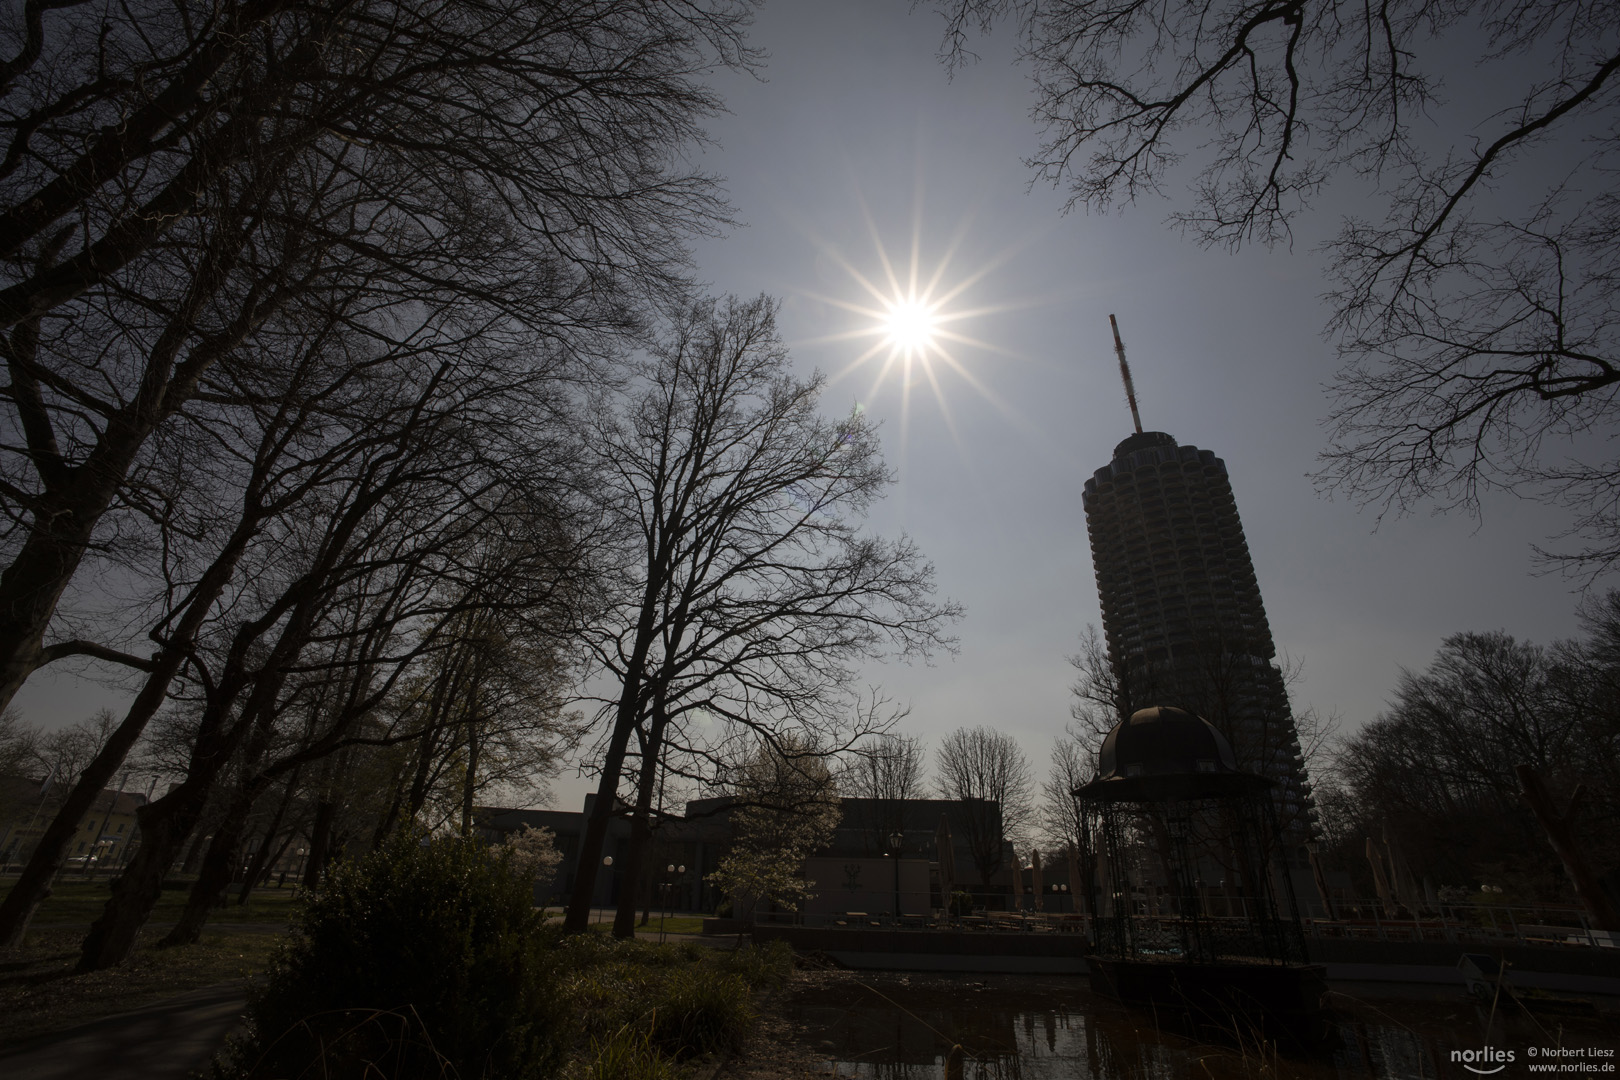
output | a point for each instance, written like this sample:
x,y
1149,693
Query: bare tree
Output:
x,y
179,174
744,589
985,769
888,772
1478,333
1101,698
65,754
1074,763
19,742
1437,768
367,570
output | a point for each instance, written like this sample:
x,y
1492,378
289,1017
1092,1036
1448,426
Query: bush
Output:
x,y
674,1001
700,1013
440,933
761,965
628,1054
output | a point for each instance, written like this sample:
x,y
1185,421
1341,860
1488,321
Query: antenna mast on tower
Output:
x,y
1125,373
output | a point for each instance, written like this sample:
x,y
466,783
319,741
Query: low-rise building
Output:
x,y
105,837
859,870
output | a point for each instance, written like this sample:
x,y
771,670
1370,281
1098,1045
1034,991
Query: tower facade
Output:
x,y
1181,608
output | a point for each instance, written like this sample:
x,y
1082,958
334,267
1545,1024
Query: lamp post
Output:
x,y
667,887
895,841
607,861
1313,849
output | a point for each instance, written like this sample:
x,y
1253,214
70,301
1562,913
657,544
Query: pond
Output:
x,y
886,1026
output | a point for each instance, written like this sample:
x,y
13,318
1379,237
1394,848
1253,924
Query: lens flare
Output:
x,y
911,319
910,322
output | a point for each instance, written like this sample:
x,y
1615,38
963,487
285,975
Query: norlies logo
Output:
x,y
1484,1062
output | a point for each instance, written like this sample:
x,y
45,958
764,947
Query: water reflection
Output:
x,y
888,1027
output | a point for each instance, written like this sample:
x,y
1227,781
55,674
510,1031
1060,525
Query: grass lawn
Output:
x,y
78,903
39,993
674,924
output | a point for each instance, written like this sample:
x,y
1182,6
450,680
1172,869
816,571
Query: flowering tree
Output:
x,y
788,807
532,852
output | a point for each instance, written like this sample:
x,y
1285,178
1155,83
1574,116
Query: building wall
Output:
x,y
868,885
104,839
700,838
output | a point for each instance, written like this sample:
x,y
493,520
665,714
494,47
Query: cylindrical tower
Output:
x,y
1181,608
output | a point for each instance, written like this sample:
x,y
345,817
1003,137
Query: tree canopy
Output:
x,y
1475,301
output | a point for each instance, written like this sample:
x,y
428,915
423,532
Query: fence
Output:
x,y
1468,924
1481,924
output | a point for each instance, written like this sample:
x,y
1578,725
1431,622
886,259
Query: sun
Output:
x,y
911,321
910,325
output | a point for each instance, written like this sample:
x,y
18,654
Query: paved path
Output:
x,y
165,1041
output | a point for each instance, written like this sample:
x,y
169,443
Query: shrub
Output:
x,y
684,1000
442,931
700,1013
628,1054
761,965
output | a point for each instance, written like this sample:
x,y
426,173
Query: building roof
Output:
x,y
1163,753
17,790
1142,440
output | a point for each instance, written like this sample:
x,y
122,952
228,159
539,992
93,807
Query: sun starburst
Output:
x,y
914,321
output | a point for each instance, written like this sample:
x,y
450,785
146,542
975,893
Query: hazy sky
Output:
x,y
857,144
854,144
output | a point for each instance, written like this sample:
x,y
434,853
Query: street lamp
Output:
x,y
607,861
895,840
667,887
1313,851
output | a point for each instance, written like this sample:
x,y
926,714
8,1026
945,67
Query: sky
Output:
x,y
854,145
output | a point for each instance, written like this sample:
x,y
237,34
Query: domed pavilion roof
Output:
x,y
1164,753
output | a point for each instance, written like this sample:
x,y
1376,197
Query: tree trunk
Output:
x,y
194,850
1563,841
52,851
469,783
265,869
624,920
624,722
34,884
75,499
165,825
263,857
32,585
320,839
217,867
590,845
385,824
